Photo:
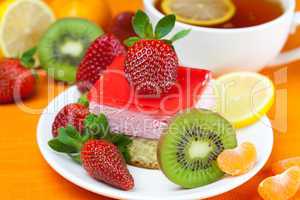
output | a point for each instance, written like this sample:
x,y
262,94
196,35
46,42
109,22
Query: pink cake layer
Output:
x,y
144,125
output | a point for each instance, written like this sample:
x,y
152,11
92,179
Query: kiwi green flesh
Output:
x,y
188,150
63,46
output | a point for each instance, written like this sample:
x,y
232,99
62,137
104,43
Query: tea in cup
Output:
x,y
249,40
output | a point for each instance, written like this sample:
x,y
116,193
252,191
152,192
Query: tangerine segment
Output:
x,y
239,160
283,165
281,187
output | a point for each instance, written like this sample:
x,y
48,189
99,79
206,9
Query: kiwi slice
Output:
x,y
63,46
188,150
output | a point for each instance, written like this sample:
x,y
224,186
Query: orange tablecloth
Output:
x,y
25,175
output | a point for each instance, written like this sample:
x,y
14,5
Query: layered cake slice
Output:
x,y
143,116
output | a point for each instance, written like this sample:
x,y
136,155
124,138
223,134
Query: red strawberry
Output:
x,y
151,62
151,67
72,114
99,55
103,161
16,82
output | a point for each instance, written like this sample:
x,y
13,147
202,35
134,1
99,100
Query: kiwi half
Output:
x,y
188,150
63,46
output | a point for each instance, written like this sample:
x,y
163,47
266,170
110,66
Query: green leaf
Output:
x,y
84,100
130,41
72,132
149,31
96,126
122,142
27,58
89,119
139,22
103,124
85,137
69,137
76,158
67,141
125,152
180,34
165,26
58,146
120,139
169,42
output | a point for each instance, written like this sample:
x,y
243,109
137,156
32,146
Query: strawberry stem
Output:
x,y
27,58
144,29
84,100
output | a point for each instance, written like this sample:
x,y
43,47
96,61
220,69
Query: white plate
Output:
x,y
149,184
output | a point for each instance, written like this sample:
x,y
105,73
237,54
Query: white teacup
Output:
x,y
224,50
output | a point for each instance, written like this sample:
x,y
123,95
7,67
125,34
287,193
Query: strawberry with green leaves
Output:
x,y
151,62
17,80
103,154
72,114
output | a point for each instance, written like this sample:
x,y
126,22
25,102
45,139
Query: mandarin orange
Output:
x,y
239,160
283,165
281,187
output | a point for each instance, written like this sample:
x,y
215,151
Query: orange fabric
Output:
x,y
25,175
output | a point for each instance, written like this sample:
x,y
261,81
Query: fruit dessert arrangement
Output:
x,y
138,106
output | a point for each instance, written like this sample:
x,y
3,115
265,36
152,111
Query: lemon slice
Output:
x,y
200,12
244,97
22,23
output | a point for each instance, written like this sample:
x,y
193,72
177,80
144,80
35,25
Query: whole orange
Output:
x,y
97,11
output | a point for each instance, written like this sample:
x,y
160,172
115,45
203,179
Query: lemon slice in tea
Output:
x,y
244,97
200,12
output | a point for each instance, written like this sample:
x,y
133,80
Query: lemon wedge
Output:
x,y
244,97
22,23
200,12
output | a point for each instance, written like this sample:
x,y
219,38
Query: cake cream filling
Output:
x,y
139,124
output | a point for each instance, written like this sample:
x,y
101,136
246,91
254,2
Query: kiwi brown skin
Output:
x,y
184,175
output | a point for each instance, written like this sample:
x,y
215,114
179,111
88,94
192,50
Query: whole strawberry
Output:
x,y
101,152
103,161
99,55
151,62
72,114
17,81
